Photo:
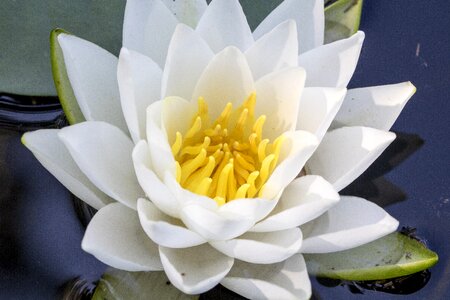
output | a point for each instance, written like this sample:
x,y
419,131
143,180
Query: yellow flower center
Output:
x,y
228,158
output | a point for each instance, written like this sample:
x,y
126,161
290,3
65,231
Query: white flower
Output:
x,y
204,184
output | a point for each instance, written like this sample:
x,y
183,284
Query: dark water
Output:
x,y
40,233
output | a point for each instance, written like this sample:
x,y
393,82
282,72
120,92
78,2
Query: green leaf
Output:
x,y
117,284
393,256
61,80
342,19
25,27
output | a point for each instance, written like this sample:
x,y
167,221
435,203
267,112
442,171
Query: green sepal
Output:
x,y
342,19
62,84
392,256
117,284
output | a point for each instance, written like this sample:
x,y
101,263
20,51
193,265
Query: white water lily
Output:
x,y
195,138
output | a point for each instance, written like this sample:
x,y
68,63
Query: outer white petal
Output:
x,y
224,24
262,248
277,97
187,57
103,153
227,78
285,280
309,16
276,50
303,200
115,237
188,12
148,27
297,148
139,84
345,153
160,151
317,108
256,209
332,65
351,223
164,230
154,188
195,270
53,155
92,74
377,106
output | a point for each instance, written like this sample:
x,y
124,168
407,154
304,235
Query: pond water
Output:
x,y
40,232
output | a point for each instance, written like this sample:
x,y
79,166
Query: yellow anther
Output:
x,y
222,184
231,188
214,131
226,157
194,150
190,166
202,108
276,151
250,103
242,191
258,126
262,150
196,178
219,200
218,155
194,128
241,171
177,144
251,180
253,140
203,187
178,171
241,160
265,167
214,148
225,115
240,147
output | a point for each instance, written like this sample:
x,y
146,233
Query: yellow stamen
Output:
x,y
226,158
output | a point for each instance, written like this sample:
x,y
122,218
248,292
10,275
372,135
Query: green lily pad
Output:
x,y
25,27
394,255
63,87
342,19
117,284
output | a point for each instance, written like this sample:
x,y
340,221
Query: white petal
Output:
x,y
345,153
262,248
148,27
303,200
377,106
187,57
285,280
351,223
227,78
277,97
53,155
255,209
224,24
188,12
92,73
213,224
317,108
139,84
103,153
297,148
115,237
195,270
332,65
164,230
154,188
309,16
160,151
276,50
